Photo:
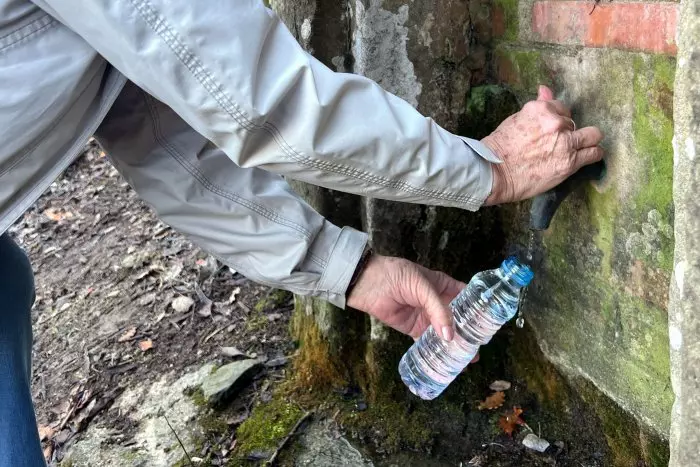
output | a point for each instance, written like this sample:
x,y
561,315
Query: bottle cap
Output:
x,y
521,273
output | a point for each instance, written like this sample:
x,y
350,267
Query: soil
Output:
x,y
107,272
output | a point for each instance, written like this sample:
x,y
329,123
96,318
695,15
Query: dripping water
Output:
x,y
520,321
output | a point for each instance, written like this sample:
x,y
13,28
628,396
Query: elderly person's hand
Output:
x,y
406,296
540,147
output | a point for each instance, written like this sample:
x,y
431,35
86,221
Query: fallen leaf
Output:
x,y
45,432
57,215
234,294
145,345
500,385
182,304
510,420
128,335
492,402
205,310
48,453
233,352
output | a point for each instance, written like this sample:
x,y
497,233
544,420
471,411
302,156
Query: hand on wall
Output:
x,y
540,147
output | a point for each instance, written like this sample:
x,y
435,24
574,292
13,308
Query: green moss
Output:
x,y
316,367
267,426
197,396
487,106
576,411
652,127
603,208
527,69
392,426
212,423
630,444
272,301
511,18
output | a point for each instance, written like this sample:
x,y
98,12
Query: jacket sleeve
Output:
x,y
234,73
249,218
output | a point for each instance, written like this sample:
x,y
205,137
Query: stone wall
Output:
x,y
597,309
599,302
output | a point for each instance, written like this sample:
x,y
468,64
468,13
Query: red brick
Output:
x,y
647,27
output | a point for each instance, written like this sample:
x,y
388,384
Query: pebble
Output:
x,y
182,304
534,442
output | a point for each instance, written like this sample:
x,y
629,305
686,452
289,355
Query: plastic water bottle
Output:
x,y
486,303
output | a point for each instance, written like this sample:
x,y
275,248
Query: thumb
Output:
x,y
544,94
439,314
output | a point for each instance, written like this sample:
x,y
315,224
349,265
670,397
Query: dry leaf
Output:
x,y
45,432
233,352
234,294
494,401
205,311
500,385
57,215
128,335
146,345
48,453
510,420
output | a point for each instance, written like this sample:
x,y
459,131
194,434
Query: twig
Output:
x,y
189,459
286,439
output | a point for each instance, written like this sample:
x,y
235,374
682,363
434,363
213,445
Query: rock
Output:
x,y
233,352
500,385
151,442
276,362
319,447
534,442
225,382
182,304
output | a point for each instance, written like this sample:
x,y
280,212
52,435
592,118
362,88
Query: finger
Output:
x,y
544,94
553,123
559,108
444,284
588,156
439,314
586,137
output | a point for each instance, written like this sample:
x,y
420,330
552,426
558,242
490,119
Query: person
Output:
x,y
204,108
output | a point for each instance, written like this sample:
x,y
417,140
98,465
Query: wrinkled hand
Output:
x,y
540,148
406,296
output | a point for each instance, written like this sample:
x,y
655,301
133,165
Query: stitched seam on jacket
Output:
x,y
197,174
149,100
196,67
26,32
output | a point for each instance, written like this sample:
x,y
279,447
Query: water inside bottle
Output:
x,y
480,310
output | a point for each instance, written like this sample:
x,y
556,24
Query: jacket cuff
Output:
x,y
484,166
342,261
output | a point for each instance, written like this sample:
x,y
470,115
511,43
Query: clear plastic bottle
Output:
x,y
486,303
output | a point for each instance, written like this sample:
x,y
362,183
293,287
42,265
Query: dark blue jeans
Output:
x,y
19,440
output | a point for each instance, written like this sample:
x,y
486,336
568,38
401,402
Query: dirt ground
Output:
x,y
109,311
